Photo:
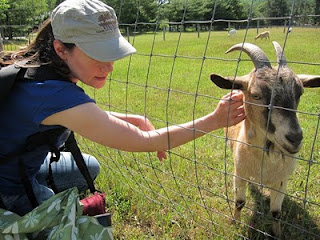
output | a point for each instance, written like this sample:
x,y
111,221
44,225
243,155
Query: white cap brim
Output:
x,y
108,50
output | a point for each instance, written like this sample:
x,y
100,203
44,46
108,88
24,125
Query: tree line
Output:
x,y
30,13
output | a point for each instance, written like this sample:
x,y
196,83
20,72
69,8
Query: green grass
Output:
x,y
186,197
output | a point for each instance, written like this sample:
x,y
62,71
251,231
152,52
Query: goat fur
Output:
x,y
265,34
263,145
232,32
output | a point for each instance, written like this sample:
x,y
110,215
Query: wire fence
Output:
x,y
190,195
194,201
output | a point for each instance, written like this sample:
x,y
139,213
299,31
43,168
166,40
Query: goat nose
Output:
x,y
295,138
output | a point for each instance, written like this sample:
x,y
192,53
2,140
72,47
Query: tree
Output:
x,y
317,11
130,11
228,9
27,13
4,6
160,2
303,8
203,10
258,7
277,8
182,10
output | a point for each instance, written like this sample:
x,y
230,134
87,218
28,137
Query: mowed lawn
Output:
x,y
190,194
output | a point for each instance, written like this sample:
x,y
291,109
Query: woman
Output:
x,y
81,43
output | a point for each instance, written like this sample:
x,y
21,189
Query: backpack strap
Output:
x,y
8,76
27,184
12,73
42,73
1,203
48,137
72,145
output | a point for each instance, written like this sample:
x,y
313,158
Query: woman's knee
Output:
x,y
92,164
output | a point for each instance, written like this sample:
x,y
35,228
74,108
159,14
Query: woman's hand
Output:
x,y
230,109
146,125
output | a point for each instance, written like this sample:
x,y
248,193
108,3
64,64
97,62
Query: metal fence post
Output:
x,y
1,44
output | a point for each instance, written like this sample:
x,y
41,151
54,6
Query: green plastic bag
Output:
x,y
60,217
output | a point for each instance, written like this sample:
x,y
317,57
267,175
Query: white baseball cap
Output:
x,y
93,27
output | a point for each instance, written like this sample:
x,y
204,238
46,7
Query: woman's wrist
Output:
x,y
211,122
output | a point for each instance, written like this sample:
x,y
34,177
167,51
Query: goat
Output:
x,y
266,143
232,32
263,35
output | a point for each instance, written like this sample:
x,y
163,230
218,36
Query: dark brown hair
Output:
x,y
40,52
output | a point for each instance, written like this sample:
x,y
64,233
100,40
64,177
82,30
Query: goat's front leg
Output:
x,y
239,196
276,200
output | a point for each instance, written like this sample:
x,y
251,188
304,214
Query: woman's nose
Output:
x,y
107,67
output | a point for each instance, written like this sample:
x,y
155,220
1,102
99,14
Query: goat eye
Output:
x,y
256,96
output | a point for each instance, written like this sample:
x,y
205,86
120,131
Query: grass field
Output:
x,y
189,195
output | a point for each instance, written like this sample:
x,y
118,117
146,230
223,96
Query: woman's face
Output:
x,y
89,71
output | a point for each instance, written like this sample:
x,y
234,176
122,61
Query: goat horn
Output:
x,y
258,57
281,59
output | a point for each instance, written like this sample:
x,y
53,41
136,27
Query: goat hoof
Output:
x,y
236,216
234,221
276,230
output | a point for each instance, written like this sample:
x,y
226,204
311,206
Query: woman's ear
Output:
x,y
60,49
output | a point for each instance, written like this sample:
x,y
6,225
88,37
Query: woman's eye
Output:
x,y
256,96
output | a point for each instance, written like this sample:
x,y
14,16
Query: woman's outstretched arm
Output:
x,y
102,127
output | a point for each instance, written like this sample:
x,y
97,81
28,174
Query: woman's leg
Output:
x,y
66,173
20,203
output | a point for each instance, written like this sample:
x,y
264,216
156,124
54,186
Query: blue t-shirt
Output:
x,y
21,114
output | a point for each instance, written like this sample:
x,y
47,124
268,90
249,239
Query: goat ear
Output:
x,y
309,81
228,82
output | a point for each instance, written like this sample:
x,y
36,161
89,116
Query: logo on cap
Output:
x,y
107,22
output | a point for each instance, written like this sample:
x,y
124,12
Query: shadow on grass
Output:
x,y
296,222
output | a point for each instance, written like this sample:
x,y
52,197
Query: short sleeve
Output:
x,y
60,97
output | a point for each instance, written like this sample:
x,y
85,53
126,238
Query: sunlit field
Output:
x,y
190,195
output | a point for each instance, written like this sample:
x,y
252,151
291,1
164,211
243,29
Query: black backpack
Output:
x,y
8,77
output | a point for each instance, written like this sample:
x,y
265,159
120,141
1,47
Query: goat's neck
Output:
x,y
254,134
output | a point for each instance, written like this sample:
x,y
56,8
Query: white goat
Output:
x,y
265,35
232,32
265,144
